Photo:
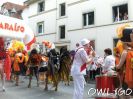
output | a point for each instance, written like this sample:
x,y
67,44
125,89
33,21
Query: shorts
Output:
x,y
43,69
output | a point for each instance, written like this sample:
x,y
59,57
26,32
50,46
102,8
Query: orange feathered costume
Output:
x,y
17,60
129,69
128,76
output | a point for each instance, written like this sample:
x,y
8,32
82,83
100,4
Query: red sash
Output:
x,y
83,67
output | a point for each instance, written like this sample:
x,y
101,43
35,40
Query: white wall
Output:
x,y
48,16
33,9
130,9
50,22
103,31
50,38
50,4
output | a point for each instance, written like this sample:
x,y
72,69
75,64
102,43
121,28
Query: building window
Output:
x,y
62,32
40,6
120,13
88,18
62,9
40,27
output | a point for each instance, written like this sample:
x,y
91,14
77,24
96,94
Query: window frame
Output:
x,y
87,21
40,23
118,7
60,10
61,32
39,6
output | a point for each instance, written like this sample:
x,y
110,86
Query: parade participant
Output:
x,y
26,57
7,66
2,59
117,53
33,64
126,58
117,56
7,63
109,62
19,58
78,66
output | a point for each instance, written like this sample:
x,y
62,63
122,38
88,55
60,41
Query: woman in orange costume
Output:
x,y
126,58
34,62
16,66
117,53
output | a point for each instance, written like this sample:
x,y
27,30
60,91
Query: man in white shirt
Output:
x,y
77,72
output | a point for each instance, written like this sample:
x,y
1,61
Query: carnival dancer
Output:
x,y
2,59
78,68
7,66
7,63
19,58
53,65
117,53
127,59
43,68
12,56
33,64
65,65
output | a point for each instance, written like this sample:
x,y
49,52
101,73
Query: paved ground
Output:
x,y
22,92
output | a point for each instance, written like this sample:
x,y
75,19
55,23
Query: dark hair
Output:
x,y
33,51
63,49
108,51
77,44
126,35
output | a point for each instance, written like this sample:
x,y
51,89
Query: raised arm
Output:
x,y
122,59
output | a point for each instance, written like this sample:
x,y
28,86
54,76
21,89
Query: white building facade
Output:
x,y
66,22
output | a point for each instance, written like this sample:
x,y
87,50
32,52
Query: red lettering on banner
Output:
x,y
1,25
6,26
12,27
17,28
22,29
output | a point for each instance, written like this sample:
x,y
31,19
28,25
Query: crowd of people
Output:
x,y
83,59
121,16
14,63
119,64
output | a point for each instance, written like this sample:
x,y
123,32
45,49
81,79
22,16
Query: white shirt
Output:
x,y
80,58
109,63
